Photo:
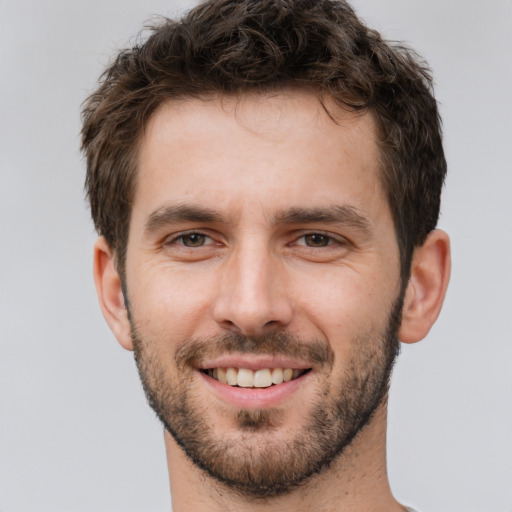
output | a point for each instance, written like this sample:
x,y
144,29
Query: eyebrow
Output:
x,y
181,213
339,214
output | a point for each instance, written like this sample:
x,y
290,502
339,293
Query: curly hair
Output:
x,y
233,47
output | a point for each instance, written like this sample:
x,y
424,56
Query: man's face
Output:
x,y
262,274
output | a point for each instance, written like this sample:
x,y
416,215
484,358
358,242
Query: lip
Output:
x,y
254,362
254,398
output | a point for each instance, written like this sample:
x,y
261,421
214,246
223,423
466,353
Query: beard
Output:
x,y
255,459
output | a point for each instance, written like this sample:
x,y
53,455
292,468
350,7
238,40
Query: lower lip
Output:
x,y
254,398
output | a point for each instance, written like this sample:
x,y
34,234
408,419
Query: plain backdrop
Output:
x,y
75,431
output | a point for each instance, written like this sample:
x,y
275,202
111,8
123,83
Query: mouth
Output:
x,y
247,378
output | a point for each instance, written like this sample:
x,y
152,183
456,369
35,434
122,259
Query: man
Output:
x,y
265,177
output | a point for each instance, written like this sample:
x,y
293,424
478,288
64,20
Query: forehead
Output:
x,y
270,116
276,148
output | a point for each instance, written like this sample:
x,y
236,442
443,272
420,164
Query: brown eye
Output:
x,y
317,240
193,240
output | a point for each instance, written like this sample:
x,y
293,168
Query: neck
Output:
x,y
356,481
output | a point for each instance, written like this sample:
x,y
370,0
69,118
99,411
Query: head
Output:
x,y
234,48
266,177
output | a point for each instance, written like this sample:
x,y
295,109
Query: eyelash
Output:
x,y
179,239
329,238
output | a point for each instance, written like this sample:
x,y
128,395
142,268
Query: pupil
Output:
x,y
193,240
317,240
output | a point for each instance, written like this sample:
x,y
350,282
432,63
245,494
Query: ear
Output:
x,y
110,293
424,296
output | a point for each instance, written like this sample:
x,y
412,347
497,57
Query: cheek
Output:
x,y
169,303
345,303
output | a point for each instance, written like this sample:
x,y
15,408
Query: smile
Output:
x,y
247,378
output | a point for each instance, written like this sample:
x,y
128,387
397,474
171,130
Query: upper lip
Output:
x,y
254,362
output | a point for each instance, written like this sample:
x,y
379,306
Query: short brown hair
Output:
x,y
241,46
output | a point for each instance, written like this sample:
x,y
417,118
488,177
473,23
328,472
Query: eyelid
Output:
x,y
175,237
334,239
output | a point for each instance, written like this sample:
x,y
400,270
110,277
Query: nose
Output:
x,y
252,297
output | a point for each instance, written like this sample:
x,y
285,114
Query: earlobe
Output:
x,y
110,293
426,290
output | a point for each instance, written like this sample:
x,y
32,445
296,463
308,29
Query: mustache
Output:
x,y
193,351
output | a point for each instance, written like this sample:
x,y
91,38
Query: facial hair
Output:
x,y
251,461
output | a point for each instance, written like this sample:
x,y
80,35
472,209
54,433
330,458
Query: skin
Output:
x,y
248,160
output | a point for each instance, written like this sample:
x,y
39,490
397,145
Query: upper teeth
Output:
x,y
247,378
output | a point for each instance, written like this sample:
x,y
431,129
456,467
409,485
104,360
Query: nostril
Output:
x,y
252,315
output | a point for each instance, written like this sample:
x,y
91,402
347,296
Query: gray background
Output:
x,y
75,432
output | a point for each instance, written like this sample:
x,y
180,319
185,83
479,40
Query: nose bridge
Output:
x,y
250,298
